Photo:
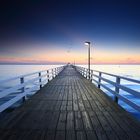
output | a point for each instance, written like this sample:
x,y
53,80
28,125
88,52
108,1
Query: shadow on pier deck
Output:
x,y
69,108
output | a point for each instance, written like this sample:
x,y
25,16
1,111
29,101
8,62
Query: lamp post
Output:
x,y
88,44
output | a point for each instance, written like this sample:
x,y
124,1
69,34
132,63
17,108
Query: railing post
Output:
x,y
23,88
48,75
82,71
99,80
59,70
55,72
117,89
88,77
39,74
52,74
79,70
91,76
87,73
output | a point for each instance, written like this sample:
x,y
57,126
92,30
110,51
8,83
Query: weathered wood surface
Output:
x,y
69,108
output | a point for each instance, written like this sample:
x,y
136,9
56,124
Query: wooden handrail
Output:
x,y
50,74
117,84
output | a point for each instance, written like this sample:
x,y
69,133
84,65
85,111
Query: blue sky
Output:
x,y
113,26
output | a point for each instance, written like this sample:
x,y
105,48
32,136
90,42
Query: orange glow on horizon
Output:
x,y
79,56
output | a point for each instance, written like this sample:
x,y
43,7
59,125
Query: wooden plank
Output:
x,y
70,135
75,105
60,135
78,121
121,134
69,106
54,120
62,121
97,127
86,121
70,121
81,135
50,135
91,135
81,105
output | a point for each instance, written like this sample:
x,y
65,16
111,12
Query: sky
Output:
x,y
54,31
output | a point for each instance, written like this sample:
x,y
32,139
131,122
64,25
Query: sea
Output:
x,y
129,71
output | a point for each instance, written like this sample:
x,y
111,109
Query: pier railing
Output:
x,y
100,79
26,84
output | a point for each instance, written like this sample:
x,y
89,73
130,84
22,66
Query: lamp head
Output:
x,y
87,43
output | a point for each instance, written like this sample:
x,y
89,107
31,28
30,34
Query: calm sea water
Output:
x,y
7,71
131,71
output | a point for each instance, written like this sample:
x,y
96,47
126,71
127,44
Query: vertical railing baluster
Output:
x,y
55,72
117,89
91,75
84,72
40,84
58,70
52,74
87,73
99,79
48,77
23,88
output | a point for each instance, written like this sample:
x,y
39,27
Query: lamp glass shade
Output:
x,y
87,43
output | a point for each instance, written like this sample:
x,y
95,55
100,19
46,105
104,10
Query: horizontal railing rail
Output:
x,y
38,81
97,77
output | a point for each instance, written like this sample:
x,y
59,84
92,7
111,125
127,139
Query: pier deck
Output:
x,y
69,108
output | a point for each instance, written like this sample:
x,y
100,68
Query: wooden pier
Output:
x,y
69,107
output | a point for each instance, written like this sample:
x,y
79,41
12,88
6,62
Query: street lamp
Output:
x,y
88,44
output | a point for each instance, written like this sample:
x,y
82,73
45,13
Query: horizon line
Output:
x,y
63,63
